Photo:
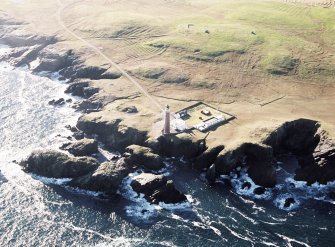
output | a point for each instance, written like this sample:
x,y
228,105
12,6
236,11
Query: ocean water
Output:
x,y
36,211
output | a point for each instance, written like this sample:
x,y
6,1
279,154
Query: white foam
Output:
x,y
56,181
238,182
280,201
289,240
142,209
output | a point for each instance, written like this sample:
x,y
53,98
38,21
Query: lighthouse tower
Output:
x,y
166,129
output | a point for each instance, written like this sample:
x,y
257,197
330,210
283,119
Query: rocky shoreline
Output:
x,y
302,138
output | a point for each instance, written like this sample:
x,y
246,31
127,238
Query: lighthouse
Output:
x,y
166,129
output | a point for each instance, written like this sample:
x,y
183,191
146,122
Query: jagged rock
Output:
x,y
246,185
107,178
259,191
129,109
112,133
90,91
157,188
14,40
145,156
54,60
207,158
257,157
288,202
211,174
88,106
49,163
58,102
311,145
296,137
77,88
332,195
178,145
84,147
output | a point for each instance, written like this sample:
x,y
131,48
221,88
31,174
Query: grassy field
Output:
x,y
287,38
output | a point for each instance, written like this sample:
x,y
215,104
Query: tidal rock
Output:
x,y
246,186
84,147
288,202
49,163
145,156
259,191
58,102
157,188
107,178
211,174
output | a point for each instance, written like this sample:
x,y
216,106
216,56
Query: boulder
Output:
x,y
49,163
128,109
288,202
84,147
259,190
107,178
145,156
246,186
58,102
157,188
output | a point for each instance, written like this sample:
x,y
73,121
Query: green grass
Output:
x,y
286,36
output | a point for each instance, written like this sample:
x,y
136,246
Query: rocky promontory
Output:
x,y
54,164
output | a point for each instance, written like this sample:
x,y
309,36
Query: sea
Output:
x,y
37,211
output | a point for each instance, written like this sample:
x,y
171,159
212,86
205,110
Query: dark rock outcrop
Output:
x,y
298,137
157,188
57,102
49,163
112,132
53,60
145,156
178,145
259,190
257,157
84,147
107,178
211,174
311,145
207,158
77,88
288,202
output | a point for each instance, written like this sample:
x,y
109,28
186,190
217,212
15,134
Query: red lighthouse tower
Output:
x,y
166,129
